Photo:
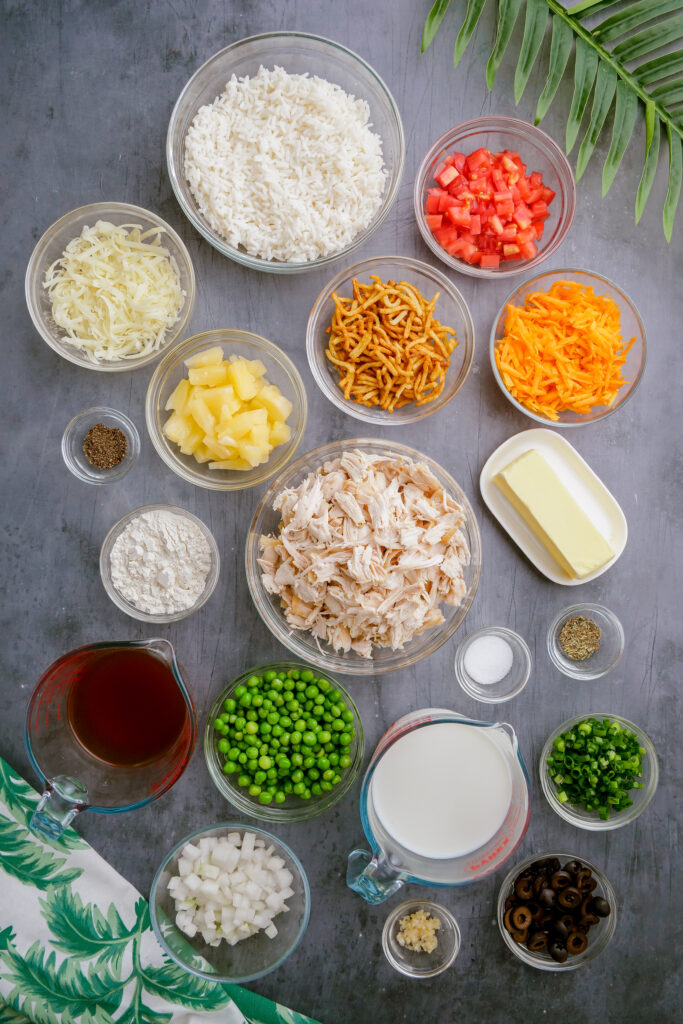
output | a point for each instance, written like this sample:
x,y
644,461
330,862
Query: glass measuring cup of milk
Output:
x,y
109,728
445,801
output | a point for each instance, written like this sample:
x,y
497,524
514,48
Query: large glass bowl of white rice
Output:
x,y
285,151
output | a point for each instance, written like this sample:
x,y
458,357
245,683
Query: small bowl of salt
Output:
x,y
493,664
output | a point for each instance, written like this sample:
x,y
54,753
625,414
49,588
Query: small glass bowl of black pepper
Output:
x,y
100,445
585,641
553,937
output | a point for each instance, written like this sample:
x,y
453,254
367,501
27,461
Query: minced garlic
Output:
x,y
418,932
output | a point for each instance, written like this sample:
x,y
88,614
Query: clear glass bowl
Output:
x,y
280,370
297,53
247,960
611,642
421,964
598,936
451,310
512,683
51,247
120,601
293,809
591,820
538,151
631,327
301,642
74,435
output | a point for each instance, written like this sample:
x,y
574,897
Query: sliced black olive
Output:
x,y
558,952
524,887
537,866
576,942
537,941
521,917
584,880
547,898
560,879
545,919
552,865
573,866
567,920
520,936
560,931
507,920
537,911
569,897
540,882
588,920
509,902
600,907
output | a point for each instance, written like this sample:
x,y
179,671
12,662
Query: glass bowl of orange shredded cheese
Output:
x,y
390,340
568,347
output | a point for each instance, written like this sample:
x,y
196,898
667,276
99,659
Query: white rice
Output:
x,y
285,166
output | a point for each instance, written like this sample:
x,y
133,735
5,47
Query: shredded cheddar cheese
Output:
x,y
115,291
563,350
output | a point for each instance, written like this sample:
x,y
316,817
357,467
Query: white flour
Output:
x,y
160,562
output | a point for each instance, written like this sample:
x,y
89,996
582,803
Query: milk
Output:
x,y
443,790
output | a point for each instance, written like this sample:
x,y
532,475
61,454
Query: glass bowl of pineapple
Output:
x,y
226,409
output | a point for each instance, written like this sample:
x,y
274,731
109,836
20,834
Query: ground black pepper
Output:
x,y
580,638
104,447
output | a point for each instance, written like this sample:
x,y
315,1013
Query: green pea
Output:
x,y
313,774
240,723
325,786
328,775
264,762
284,764
242,757
345,739
252,764
273,718
294,673
259,777
298,788
309,762
234,753
240,690
334,759
344,761
309,739
251,728
315,789
223,746
338,725
265,798
336,780
288,685
251,681
288,785
219,725
229,767
307,675
270,675
277,731
245,700
254,790
285,721
244,780
297,775
322,764
324,686
347,716
324,736
279,797
251,751
296,739
251,716
311,690
256,700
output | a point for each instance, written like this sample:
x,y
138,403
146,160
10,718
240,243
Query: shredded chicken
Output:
x,y
368,549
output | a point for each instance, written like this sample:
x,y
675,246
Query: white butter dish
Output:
x,y
575,473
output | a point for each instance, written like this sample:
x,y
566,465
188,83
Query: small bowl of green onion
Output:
x,y
283,742
598,771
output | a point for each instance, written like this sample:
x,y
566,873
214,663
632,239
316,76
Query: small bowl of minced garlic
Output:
x,y
420,938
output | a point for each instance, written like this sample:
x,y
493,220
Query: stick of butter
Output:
x,y
540,497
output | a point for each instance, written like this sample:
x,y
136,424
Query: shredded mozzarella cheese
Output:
x,y
115,291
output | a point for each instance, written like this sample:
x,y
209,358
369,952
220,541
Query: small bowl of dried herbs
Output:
x,y
585,641
100,445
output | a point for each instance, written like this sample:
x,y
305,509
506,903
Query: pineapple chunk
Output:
x,y
216,398
280,433
209,376
242,423
179,397
242,379
201,414
256,367
272,399
259,435
219,451
252,453
193,440
234,463
209,357
202,453
177,428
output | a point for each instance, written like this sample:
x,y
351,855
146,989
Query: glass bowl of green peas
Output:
x,y
598,771
283,742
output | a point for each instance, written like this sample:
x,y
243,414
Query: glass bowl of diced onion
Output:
x,y
230,903
51,247
280,372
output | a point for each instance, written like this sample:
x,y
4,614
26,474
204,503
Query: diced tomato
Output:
x,y
446,176
487,209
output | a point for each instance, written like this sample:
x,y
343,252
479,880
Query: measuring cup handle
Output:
x,y
371,878
61,801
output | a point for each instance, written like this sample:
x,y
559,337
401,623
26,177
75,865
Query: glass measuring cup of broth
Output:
x,y
445,801
110,727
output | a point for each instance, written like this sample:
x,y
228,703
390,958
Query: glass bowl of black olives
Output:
x,y
556,911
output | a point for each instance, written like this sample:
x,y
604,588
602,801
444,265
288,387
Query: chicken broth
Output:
x,y
443,790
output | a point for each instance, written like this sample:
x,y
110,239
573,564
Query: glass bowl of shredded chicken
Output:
x,y
110,286
363,557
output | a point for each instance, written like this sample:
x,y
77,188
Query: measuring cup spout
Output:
x,y
61,801
372,877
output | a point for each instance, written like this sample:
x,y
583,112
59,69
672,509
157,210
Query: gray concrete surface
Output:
x,y
87,90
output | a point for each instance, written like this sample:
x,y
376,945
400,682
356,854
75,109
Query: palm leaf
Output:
x,y
172,983
82,931
605,52
10,1016
26,860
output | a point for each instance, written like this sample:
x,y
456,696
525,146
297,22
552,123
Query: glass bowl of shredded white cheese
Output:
x,y
285,151
110,286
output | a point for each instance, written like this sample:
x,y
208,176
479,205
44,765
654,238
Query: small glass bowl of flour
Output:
x,y
493,664
159,563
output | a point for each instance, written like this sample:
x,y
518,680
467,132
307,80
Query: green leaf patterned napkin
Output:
x,y
76,946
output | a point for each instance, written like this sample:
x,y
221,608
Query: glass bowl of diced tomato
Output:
x,y
494,195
